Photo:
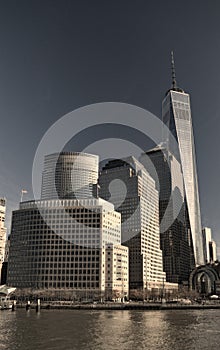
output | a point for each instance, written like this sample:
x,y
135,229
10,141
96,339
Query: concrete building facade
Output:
x,y
117,272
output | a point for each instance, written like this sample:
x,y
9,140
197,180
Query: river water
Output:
x,y
124,330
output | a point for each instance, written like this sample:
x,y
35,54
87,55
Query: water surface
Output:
x,y
124,330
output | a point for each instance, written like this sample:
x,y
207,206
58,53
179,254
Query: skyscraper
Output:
x,y
175,240
2,232
136,198
69,175
176,115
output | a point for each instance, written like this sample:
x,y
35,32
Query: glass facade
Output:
x,y
69,175
176,115
69,250
139,208
174,239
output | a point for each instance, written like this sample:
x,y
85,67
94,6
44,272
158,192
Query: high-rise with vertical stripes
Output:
x,y
176,115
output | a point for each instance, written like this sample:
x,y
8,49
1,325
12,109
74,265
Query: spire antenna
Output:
x,y
174,85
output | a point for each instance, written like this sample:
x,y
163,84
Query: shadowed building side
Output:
x,y
175,240
2,232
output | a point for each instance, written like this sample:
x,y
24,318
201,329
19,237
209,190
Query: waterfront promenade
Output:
x,y
124,306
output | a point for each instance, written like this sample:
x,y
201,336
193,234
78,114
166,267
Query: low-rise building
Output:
x,y
117,272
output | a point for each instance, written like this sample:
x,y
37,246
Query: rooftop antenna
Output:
x,y
174,85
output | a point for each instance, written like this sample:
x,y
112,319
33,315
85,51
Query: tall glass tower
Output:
x,y
176,115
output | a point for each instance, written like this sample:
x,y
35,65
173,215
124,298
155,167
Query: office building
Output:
x,y
61,244
5,262
65,240
2,231
176,115
116,270
69,175
136,198
175,238
209,246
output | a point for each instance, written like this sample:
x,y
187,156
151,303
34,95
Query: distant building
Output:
x,y
5,262
213,251
69,249
2,231
175,238
209,246
137,201
69,175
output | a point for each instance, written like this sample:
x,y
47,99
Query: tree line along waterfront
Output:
x,y
59,297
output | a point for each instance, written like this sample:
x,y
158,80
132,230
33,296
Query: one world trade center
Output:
x,y
176,115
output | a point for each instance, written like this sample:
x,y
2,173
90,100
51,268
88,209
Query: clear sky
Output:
x,y
56,56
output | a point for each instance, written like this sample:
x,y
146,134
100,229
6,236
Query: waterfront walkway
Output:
x,y
125,306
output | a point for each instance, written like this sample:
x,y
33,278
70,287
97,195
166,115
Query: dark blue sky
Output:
x,y
56,56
